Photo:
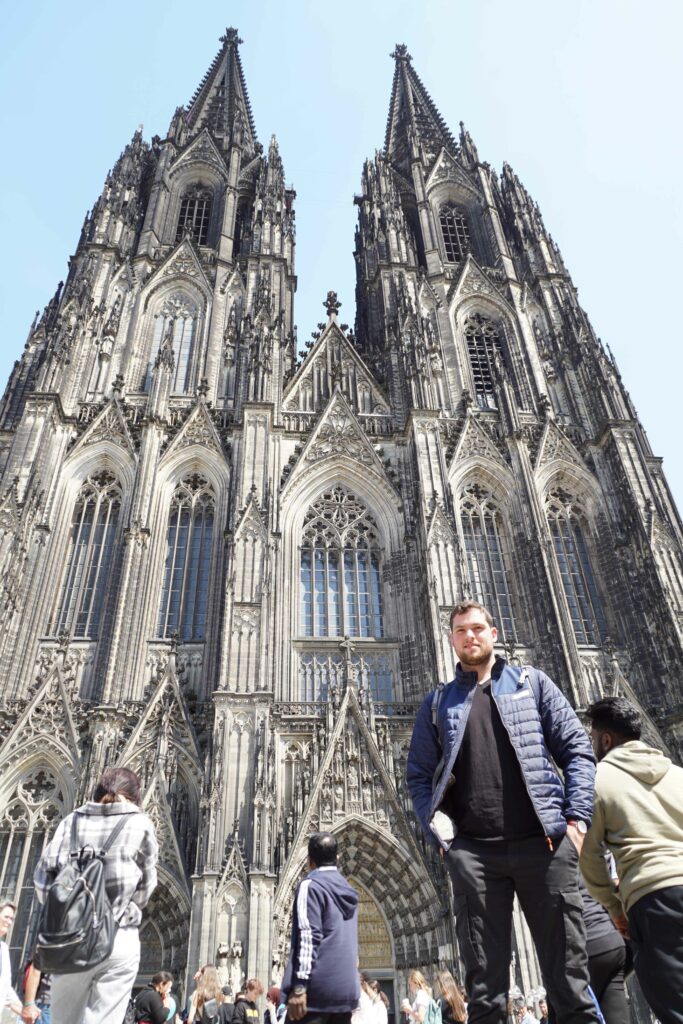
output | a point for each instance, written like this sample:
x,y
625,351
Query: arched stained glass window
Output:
x,y
484,349
568,531
185,591
176,322
195,215
341,592
93,534
456,233
484,555
33,812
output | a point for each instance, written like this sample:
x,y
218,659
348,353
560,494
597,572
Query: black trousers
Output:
x,y
606,972
486,876
656,926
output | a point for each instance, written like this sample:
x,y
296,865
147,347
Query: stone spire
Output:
x,y
413,117
220,102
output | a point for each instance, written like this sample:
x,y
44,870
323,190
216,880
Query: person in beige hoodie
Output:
x,y
638,817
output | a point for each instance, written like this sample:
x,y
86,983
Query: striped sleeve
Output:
x,y
305,957
309,914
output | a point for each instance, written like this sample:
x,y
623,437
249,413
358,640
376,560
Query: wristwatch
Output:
x,y
298,990
580,826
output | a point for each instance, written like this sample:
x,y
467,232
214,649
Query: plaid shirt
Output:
x,y
130,872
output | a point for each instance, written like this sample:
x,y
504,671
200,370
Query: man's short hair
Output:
x,y
617,715
254,985
466,606
161,977
322,849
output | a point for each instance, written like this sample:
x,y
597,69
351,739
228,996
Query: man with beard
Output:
x,y
639,817
486,792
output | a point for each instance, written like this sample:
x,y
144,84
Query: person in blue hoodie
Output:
x,y
320,984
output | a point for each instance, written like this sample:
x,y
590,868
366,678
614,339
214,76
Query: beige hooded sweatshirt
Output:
x,y
638,814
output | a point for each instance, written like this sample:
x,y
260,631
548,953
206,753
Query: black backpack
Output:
x,y
77,926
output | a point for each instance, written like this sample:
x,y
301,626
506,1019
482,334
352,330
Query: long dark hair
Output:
x,y
115,781
446,986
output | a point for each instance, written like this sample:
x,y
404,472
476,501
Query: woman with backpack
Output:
x,y
207,999
111,822
421,996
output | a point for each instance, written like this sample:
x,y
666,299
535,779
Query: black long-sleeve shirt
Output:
x,y
150,1004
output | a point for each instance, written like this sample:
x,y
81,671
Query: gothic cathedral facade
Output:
x,y
230,564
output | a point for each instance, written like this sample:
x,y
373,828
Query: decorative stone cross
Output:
x,y
231,37
401,52
332,305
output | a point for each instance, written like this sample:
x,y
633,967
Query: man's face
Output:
x,y
601,742
473,638
6,920
543,1007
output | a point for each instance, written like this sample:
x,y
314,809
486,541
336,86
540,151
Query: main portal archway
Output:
x,y
401,914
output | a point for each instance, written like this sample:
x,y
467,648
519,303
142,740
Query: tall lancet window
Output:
x,y
340,569
568,531
177,322
185,591
341,595
484,349
89,561
195,215
484,545
456,233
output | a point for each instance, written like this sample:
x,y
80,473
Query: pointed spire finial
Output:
x,y
401,53
231,38
332,305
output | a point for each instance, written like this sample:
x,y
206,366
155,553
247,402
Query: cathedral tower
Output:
x,y
230,565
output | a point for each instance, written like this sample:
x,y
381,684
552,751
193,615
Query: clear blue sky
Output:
x,y
583,99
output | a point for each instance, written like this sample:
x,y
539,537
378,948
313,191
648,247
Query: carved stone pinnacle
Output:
x,y
332,305
231,36
401,53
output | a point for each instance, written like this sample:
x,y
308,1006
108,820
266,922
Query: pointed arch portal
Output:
x,y
402,912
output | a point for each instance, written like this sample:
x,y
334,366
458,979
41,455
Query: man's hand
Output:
x,y
30,1013
296,1007
576,837
621,925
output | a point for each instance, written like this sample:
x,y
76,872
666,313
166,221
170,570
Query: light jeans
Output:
x,y
100,995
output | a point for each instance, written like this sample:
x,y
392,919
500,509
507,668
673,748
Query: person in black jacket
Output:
x,y
453,1009
607,960
153,1003
246,1011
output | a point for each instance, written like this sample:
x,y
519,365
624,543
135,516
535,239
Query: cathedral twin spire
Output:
x,y
413,118
221,102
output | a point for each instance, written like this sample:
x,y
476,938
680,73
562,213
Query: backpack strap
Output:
x,y
116,831
527,676
436,700
75,849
